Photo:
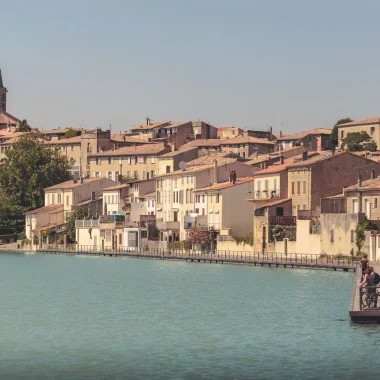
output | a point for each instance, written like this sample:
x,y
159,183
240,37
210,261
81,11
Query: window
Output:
x,y
372,131
110,175
292,188
72,147
97,174
59,198
331,236
298,187
98,161
210,196
342,134
258,185
191,196
375,203
153,159
352,236
67,200
243,154
116,176
53,199
203,199
136,174
120,239
113,199
217,198
266,184
120,162
203,211
197,210
275,184
304,187
187,196
110,160
304,206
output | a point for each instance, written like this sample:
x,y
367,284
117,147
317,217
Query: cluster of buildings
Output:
x,y
146,187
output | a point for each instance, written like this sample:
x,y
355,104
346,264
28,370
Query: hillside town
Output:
x,y
160,182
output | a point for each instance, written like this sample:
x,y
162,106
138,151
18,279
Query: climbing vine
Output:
x,y
365,225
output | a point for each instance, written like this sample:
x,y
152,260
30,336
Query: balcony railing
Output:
x,y
283,220
87,223
193,221
267,194
308,214
166,226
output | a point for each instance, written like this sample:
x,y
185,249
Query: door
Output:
x,y
132,239
175,216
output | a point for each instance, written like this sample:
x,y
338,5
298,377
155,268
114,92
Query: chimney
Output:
x,y
81,180
372,173
333,151
282,160
280,133
304,155
280,148
147,121
149,139
124,137
75,180
215,171
359,181
173,149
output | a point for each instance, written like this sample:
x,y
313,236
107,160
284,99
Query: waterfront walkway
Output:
x,y
346,263
356,313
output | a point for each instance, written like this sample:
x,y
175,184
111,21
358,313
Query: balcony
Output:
x,y
167,226
193,221
283,220
87,223
267,194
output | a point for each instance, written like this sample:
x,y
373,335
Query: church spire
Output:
x,y
3,95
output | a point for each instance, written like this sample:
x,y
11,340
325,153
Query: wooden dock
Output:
x,y
357,315
224,257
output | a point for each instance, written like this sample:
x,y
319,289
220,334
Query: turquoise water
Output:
x,y
100,318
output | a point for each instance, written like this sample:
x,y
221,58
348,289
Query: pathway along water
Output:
x,y
95,317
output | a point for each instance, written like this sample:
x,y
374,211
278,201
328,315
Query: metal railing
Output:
x,y
259,194
220,255
87,223
369,296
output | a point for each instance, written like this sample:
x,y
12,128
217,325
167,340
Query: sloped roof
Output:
x,y
117,137
70,184
150,126
368,120
369,184
182,149
145,149
271,204
6,118
44,209
272,169
226,184
117,187
177,124
303,134
221,157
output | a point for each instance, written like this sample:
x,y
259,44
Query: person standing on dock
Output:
x,y
364,263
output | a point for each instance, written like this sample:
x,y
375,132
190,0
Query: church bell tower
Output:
x,y
3,95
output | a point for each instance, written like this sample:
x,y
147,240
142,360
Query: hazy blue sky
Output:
x,y
245,63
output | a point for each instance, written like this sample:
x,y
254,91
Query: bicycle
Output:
x,y
369,297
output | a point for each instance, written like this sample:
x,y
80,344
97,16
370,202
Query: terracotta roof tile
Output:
x,y
117,137
71,140
182,149
150,126
227,184
6,118
271,204
367,185
117,187
272,169
44,208
303,134
70,184
368,120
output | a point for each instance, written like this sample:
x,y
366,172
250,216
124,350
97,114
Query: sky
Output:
x,y
292,65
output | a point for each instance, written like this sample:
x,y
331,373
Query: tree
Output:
x,y
23,127
79,213
334,133
358,141
29,167
365,225
69,133
199,235
126,178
